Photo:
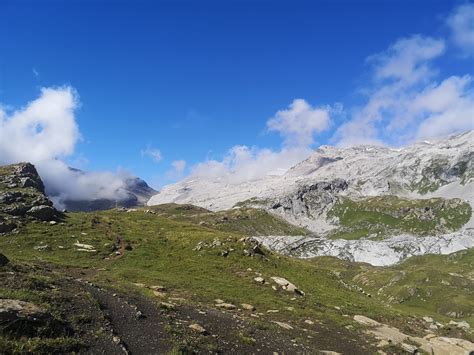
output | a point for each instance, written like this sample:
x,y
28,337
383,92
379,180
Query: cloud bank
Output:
x,y
44,132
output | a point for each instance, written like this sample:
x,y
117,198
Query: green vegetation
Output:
x,y
380,216
441,286
162,253
200,256
248,221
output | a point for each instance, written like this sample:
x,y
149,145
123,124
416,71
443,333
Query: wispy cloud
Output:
x,y
406,100
461,23
177,170
153,153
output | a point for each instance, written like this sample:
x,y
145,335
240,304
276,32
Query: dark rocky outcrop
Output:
x,y
22,197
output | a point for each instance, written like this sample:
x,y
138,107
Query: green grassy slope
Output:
x,y
381,216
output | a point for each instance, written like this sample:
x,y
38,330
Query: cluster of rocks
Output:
x,y
22,197
430,343
216,243
252,247
279,283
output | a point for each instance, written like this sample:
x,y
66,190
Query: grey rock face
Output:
x,y
22,197
43,212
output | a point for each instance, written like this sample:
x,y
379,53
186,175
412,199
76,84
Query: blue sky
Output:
x,y
193,79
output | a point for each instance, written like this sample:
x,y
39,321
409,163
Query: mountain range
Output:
x,y
364,203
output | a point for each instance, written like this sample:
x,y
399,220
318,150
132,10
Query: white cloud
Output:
x,y
297,124
406,102
44,129
407,60
300,122
44,132
153,153
242,163
446,108
461,23
177,171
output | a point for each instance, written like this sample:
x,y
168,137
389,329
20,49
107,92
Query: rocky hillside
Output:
x,y
362,192
22,197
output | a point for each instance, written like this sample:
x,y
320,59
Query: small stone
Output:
x,y
218,300
259,280
412,349
158,288
308,321
273,311
228,306
198,328
53,223
116,339
428,319
159,294
283,325
248,307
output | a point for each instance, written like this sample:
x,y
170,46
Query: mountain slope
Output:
x,y
363,192
358,171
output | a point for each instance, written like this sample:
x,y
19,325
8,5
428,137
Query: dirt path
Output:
x,y
106,321
136,325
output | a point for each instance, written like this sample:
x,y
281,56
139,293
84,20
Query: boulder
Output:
x,y
21,318
287,285
42,212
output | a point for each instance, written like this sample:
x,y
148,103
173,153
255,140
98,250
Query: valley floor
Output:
x,y
175,279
